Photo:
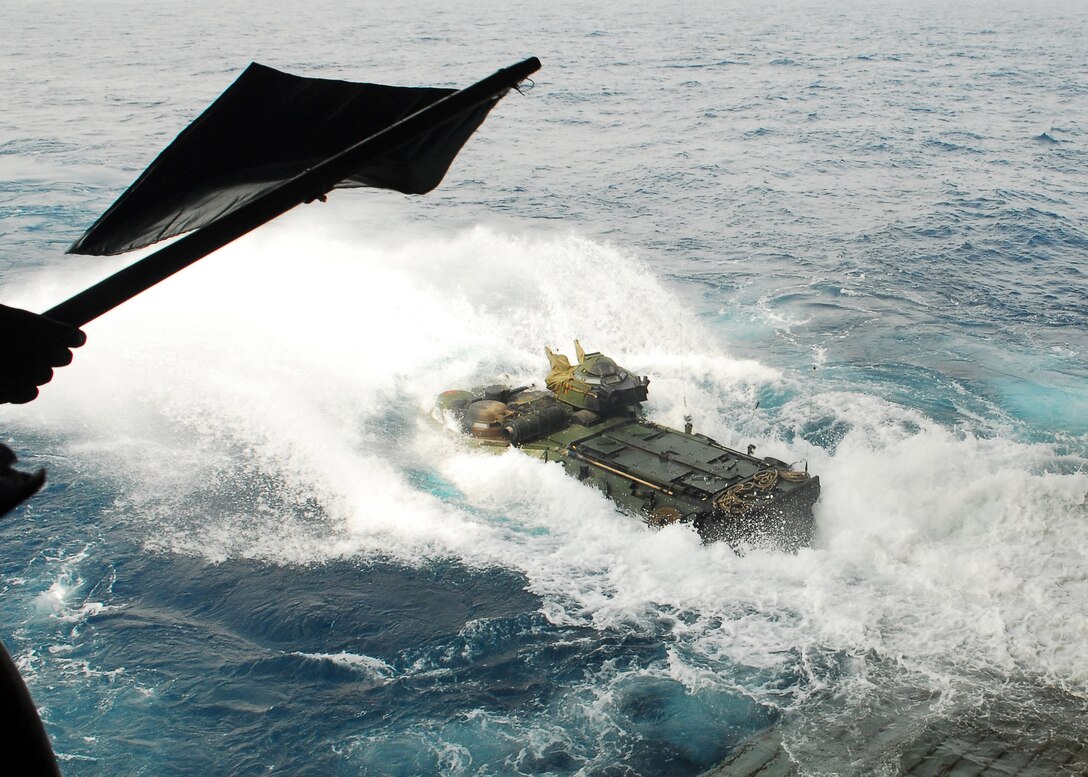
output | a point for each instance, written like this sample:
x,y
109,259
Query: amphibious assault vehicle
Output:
x,y
590,420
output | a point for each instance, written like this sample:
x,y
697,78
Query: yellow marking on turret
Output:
x,y
561,372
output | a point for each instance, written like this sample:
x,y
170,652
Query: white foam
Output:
x,y
367,665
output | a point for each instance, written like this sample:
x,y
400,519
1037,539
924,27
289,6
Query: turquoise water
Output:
x,y
254,552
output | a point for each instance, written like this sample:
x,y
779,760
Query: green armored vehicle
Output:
x,y
589,420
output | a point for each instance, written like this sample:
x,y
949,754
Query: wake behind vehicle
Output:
x,y
589,419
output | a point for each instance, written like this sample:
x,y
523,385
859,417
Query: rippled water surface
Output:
x,y
854,235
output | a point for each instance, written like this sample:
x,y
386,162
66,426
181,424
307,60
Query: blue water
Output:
x,y
854,236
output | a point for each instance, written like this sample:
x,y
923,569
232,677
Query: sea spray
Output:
x,y
297,437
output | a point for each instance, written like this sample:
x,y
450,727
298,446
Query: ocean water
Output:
x,y
851,234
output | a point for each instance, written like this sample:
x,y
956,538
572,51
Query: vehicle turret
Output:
x,y
595,383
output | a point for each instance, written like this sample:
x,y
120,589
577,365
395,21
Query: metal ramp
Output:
x,y
943,749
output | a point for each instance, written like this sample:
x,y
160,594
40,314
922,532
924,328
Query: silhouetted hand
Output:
x,y
15,486
30,347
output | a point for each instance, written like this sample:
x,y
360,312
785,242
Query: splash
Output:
x,y
272,403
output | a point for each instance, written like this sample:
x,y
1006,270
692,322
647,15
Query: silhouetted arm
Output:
x,y
27,747
30,347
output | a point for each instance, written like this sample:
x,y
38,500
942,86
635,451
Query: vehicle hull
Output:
x,y
660,474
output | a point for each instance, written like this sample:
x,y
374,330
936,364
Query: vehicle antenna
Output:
x,y
684,376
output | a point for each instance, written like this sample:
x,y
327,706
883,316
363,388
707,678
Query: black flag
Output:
x,y
267,128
